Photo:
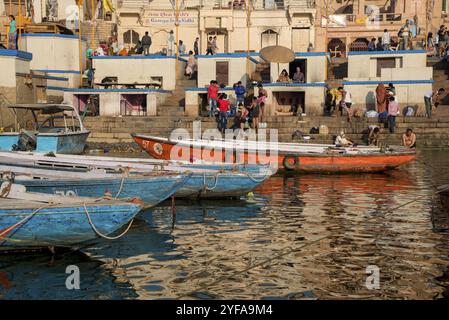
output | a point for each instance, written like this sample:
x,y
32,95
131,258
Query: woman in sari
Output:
x,y
381,98
191,64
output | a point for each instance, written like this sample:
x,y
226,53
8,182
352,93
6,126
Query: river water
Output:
x,y
297,237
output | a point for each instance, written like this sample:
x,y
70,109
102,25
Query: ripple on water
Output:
x,y
265,249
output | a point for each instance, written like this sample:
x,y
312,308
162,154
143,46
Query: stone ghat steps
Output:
x,y
431,132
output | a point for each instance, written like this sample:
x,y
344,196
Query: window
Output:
x,y
130,37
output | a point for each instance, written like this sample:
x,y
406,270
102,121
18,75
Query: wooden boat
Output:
x,y
202,181
292,157
61,132
151,187
34,220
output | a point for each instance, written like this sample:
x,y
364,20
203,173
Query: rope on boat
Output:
x,y
101,234
121,187
206,187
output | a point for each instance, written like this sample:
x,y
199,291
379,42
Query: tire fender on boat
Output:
x,y
287,165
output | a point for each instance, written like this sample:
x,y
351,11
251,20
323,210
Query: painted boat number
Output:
x,y
68,193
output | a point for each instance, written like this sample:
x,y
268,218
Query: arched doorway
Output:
x,y
130,37
269,38
359,44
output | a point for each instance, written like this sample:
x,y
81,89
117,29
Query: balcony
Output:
x,y
217,4
345,20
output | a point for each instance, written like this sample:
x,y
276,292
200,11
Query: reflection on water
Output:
x,y
299,237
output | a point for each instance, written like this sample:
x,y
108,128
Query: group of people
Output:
x,y
408,137
338,101
246,114
387,105
143,46
212,47
297,77
439,44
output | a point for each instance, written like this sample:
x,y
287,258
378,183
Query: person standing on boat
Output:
x,y
409,138
393,111
212,96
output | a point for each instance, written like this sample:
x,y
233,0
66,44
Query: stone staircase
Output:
x,y
114,132
441,80
175,103
430,132
262,72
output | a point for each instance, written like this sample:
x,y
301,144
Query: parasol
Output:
x,y
277,54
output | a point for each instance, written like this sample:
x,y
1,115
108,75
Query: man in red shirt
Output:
x,y
223,108
212,95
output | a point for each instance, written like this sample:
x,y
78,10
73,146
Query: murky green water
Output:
x,y
300,237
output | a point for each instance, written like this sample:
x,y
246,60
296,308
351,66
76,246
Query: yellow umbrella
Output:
x,y
277,54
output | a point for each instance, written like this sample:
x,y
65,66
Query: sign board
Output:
x,y
168,18
335,21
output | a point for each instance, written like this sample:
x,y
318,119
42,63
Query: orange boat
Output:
x,y
319,158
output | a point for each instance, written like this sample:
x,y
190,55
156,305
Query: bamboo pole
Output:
x,y
176,46
93,24
80,44
326,38
7,29
248,37
20,24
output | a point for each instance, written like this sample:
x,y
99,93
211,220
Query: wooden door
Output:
x,y
300,39
222,72
385,63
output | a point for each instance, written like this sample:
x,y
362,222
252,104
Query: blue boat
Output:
x,y
151,187
221,184
61,132
205,181
33,220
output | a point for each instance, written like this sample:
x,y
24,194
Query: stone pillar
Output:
x,y
39,10
151,104
361,7
2,8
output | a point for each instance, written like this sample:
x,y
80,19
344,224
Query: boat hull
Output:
x,y
62,225
220,185
306,162
152,190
